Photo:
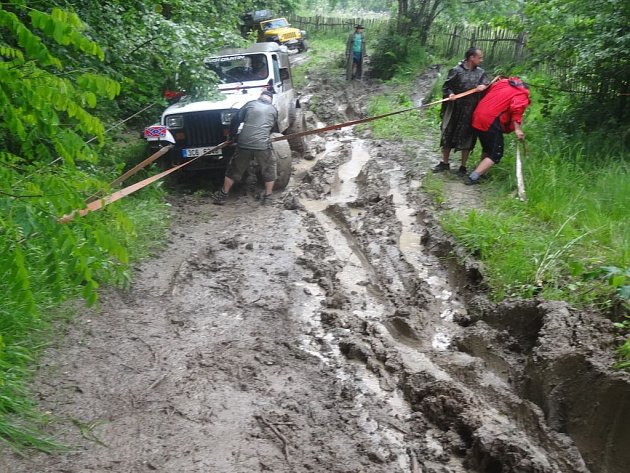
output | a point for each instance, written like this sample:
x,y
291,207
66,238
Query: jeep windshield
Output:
x,y
271,24
239,68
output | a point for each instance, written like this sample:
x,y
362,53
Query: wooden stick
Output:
x,y
283,439
519,175
158,381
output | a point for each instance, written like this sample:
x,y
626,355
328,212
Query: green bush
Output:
x,y
387,54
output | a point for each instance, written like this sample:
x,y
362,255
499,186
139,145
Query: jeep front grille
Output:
x,y
202,129
290,35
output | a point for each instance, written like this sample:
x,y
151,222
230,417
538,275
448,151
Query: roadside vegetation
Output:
x,y
326,50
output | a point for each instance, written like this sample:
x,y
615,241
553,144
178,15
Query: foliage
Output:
x,y
404,125
349,7
624,350
390,51
494,12
325,51
47,168
587,43
147,44
396,57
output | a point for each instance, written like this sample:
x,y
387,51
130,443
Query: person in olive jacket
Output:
x,y
259,118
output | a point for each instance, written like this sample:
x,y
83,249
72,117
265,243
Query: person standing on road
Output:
x,y
499,111
456,127
355,53
259,118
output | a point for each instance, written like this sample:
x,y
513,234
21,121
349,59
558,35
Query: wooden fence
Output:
x,y
314,24
501,47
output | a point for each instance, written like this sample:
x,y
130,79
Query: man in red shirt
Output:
x,y
499,111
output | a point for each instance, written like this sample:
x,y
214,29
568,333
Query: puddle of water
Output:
x,y
345,188
324,345
411,247
441,341
354,275
303,165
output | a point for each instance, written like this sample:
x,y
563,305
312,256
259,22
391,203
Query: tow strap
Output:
x,y
94,203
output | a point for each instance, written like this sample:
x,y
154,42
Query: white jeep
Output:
x,y
194,128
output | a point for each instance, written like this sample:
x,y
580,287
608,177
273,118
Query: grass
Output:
x,y
396,127
576,221
324,52
434,187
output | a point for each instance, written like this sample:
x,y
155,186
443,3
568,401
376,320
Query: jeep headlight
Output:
x,y
226,117
175,121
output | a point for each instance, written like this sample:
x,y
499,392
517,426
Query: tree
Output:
x,y
588,42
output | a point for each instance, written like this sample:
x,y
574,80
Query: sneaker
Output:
x,y
441,167
462,171
219,197
470,182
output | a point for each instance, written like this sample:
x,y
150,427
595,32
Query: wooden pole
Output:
x,y
520,183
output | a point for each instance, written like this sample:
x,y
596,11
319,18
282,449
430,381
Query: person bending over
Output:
x,y
500,111
259,118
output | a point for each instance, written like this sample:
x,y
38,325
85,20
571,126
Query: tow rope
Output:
x,y
94,203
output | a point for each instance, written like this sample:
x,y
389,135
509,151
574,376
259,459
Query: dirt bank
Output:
x,y
337,330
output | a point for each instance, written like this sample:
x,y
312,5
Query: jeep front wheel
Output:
x,y
303,46
282,152
297,124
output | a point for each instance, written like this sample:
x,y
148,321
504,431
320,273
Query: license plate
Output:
x,y
194,152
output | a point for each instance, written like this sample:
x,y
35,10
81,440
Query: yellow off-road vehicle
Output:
x,y
269,28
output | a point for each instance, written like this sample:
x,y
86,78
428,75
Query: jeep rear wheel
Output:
x,y
282,152
297,124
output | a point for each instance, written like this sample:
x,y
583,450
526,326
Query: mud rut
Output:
x,y
336,331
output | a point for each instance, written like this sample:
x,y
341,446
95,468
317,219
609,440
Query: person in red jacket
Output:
x,y
499,111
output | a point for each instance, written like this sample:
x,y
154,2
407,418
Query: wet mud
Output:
x,y
336,330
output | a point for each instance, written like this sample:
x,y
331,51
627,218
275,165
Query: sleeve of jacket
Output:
x,y
518,105
447,87
237,119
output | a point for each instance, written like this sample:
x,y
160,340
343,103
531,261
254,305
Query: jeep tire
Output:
x,y
303,47
282,151
297,124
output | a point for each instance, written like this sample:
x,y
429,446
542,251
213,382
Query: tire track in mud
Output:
x,y
545,356
398,313
190,369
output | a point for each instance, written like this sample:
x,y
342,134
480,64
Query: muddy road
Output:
x,y
335,330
